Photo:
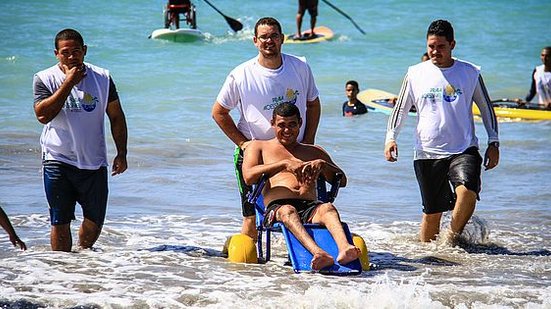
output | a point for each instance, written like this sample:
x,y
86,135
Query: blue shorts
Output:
x,y
436,179
65,185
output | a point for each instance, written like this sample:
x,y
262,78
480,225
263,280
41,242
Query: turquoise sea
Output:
x,y
171,212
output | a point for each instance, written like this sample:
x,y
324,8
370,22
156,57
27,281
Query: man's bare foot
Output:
x,y
350,254
321,260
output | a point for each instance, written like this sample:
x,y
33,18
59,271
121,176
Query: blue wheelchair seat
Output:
x,y
299,256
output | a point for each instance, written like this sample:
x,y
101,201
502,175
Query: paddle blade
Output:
x,y
235,25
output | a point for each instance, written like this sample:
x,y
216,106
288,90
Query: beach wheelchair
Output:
x,y
173,10
242,246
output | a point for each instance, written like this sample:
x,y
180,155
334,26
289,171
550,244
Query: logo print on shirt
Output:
x,y
89,103
451,94
291,96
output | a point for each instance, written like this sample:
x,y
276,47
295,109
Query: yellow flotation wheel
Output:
x,y
240,248
360,243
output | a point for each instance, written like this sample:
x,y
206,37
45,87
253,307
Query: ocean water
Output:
x,y
171,212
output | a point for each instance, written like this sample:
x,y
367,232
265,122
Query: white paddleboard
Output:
x,y
178,35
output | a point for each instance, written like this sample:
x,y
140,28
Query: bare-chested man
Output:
x,y
290,192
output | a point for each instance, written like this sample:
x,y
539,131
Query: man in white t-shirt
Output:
x,y
71,99
541,81
256,87
446,147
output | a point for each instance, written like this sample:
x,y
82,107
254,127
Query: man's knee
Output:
x,y
463,192
285,212
432,219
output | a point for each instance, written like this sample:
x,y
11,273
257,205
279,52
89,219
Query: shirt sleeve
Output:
x,y
400,112
40,91
532,91
313,91
228,97
482,100
113,94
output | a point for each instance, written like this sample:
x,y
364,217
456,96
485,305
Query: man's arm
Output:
x,y
330,169
6,225
397,119
313,113
484,103
223,119
532,91
120,135
46,109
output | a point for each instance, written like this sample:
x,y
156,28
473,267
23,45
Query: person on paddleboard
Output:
x,y
71,99
541,81
312,7
352,106
290,192
255,88
446,152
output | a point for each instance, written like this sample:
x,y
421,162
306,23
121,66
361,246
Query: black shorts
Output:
x,y
437,177
247,208
304,208
310,5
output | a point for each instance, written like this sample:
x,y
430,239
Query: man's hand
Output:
x,y
491,157
75,74
18,242
391,151
119,165
311,171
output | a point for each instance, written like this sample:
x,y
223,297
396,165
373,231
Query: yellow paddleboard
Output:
x,y
503,111
322,34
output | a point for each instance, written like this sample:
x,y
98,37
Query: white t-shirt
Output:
x,y
543,85
256,90
76,135
443,99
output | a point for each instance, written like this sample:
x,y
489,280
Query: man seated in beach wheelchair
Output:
x,y
173,10
291,170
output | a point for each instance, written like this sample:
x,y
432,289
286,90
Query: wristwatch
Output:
x,y
495,144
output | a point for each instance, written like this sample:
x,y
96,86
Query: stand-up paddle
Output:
x,y
343,14
234,24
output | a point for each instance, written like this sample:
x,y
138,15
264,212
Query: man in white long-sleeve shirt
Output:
x,y
446,160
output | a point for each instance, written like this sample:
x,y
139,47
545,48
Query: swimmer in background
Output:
x,y
353,106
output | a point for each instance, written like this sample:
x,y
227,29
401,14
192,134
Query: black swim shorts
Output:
x,y
304,208
438,178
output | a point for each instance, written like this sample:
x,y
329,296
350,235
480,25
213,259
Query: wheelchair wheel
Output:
x,y
166,18
193,17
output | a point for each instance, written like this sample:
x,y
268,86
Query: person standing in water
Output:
x,y
446,148
71,99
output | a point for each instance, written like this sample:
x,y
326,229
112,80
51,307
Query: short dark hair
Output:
x,y
269,21
353,83
441,28
547,48
68,34
286,109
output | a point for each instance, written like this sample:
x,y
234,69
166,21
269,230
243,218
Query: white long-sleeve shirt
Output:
x,y
443,99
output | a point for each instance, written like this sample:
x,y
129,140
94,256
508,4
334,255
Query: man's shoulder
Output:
x,y
47,71
466,64
294,60
96,69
